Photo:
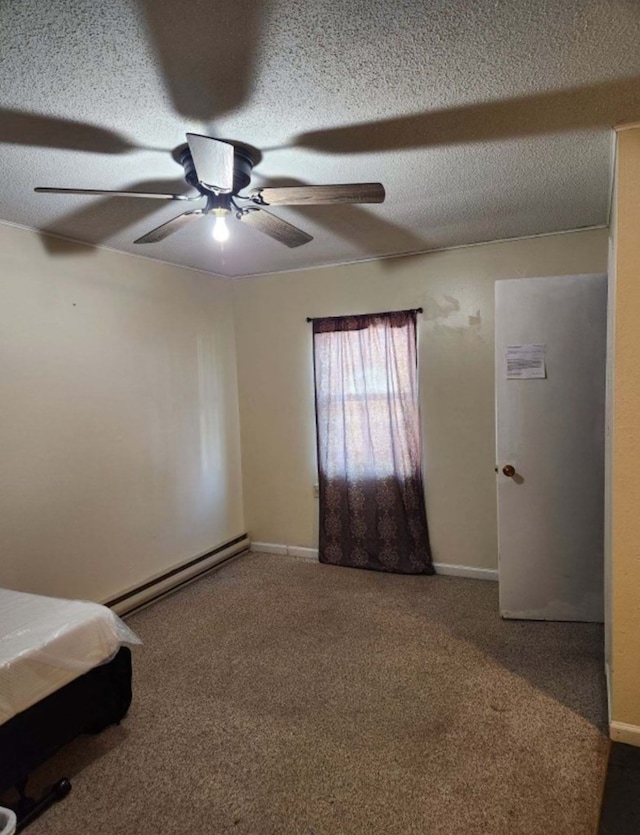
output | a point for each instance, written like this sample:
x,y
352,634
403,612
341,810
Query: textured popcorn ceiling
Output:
x,y
484,119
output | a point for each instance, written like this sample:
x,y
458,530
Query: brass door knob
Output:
x,y
509,471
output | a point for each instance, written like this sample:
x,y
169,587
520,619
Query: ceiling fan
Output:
x,y
219,170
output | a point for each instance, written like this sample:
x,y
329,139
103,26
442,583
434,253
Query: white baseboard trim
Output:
x,y
303,553
269,548
312,554
466,571
623,732
285,550
169,580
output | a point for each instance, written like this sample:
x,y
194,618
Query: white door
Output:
x,y
550,446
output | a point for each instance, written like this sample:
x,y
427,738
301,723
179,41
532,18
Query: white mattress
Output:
x,y
46,642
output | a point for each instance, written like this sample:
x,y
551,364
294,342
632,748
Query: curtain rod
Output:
x,y
384,313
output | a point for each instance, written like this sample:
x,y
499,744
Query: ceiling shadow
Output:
x,y
107,216
354,223
600,105
207,50
20,128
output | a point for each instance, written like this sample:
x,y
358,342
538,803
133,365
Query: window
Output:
x,y
372,511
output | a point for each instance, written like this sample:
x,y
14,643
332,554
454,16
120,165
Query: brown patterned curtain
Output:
x,y
372,511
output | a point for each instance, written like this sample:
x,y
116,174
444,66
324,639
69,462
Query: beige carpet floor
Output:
x,y
282,696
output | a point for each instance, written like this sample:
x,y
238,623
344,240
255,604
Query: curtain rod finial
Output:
x,y
309,319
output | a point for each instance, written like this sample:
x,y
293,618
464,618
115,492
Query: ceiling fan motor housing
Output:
x,y
243,162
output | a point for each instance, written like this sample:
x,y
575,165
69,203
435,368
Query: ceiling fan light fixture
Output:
x,y
220,229
218,171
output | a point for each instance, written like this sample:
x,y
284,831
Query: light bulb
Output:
x,y
220,229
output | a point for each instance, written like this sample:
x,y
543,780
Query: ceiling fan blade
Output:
x,y
318,195
213,160
106,215
276,228
168,228
146,194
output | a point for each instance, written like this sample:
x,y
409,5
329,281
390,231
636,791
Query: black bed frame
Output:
x,y
88,704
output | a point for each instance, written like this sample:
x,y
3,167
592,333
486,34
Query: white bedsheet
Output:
x,y
46,642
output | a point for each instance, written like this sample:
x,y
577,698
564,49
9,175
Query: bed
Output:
x,y
64,670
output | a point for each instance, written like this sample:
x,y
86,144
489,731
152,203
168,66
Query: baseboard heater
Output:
x,y
168,581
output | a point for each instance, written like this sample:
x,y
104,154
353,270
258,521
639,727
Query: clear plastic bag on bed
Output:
x,y
46,642
7,821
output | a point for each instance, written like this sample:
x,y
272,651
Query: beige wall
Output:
x,y
608,439
118,417
625,463
456,335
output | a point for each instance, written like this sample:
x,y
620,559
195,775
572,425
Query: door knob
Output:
x,y
509,470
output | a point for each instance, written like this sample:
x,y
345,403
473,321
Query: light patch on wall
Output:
x,y
212,418
446,312
433,310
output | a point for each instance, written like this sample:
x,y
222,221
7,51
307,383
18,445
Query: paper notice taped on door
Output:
x,y
526,362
